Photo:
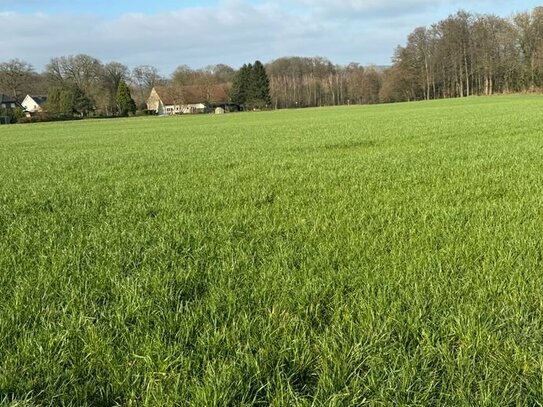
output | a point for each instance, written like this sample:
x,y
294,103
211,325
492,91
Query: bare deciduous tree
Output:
x,y
14,75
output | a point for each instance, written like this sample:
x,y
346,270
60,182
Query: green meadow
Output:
x,y
377,255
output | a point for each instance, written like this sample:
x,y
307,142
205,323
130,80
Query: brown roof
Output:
x,y
171,95
166,94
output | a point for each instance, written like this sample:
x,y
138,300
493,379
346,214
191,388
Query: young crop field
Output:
x,y
377,255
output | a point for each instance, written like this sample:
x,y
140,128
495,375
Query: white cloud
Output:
x,y
232,32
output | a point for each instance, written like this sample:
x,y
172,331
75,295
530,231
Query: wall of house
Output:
x,y
194,108
30,105
8,105
186,109
154,103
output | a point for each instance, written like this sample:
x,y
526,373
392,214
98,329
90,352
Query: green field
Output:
x,y
383,255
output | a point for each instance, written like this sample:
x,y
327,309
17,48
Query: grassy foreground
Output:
x,y
387,255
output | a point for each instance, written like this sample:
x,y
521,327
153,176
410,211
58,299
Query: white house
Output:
x,y
34,104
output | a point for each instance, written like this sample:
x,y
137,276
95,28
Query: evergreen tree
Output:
x,y
81,103
258,92
124,100
240,85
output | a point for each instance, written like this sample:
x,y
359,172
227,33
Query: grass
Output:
x,y
386,255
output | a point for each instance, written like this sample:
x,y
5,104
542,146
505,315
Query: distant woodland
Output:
x,y
465,54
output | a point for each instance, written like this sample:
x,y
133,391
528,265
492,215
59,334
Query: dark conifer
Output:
x,y
124,100
258,95
240,85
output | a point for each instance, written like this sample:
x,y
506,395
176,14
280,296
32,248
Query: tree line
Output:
x,y
468,54
465,54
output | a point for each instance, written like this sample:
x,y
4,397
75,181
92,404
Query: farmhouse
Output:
x,y
171,100
34,104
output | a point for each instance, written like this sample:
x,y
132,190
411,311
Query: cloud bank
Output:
x,y
232,31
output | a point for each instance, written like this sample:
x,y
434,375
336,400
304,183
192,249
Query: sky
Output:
x,y
169,33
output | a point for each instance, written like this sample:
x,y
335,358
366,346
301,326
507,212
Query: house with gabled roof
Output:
x,y
170,100
8,102
34,104
7,105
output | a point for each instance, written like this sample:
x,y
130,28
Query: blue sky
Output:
x,y
199,33
106,8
